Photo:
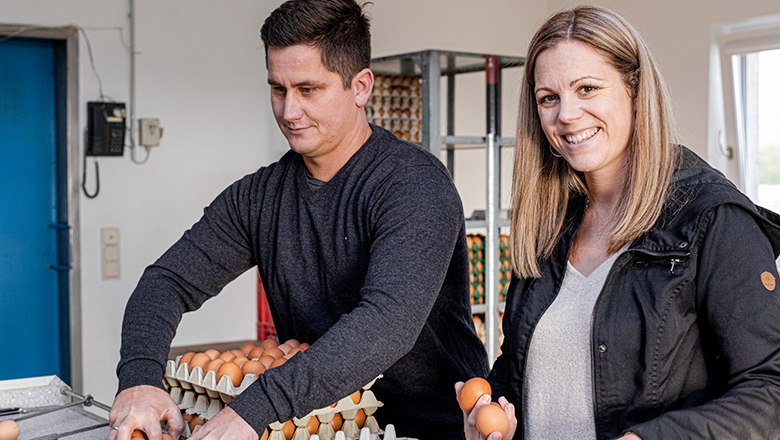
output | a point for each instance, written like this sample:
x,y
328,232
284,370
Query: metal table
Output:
x,y
77,422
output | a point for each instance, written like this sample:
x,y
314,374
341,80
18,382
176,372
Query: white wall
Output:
x,y
200,69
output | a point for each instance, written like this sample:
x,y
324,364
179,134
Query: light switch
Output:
x,y
109,236
109,253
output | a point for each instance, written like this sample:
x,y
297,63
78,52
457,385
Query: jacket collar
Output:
x,y
696,189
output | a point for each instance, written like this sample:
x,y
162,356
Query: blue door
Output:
x,y
34,338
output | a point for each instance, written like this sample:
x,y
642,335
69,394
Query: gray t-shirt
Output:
x,y
558,401
371,268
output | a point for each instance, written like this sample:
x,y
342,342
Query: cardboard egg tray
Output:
x,y
201,394
396,105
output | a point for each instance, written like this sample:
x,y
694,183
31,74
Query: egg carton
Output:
x,y
201,394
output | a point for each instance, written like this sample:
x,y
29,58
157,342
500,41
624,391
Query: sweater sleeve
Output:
x,y
739,314
415,223
207,257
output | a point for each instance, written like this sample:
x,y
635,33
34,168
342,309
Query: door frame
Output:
x,y
67,107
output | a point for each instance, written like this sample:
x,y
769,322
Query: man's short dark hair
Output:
x,y
338,28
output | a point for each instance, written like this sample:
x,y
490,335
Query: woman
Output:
x,y
644,303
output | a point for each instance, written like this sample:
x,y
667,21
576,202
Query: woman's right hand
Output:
x,y
469,419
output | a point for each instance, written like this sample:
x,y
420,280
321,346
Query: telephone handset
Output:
x,y
106,128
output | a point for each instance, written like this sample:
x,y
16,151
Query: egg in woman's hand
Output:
x,y
492,418
471,391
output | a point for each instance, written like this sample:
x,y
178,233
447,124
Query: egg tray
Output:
x,y
201,394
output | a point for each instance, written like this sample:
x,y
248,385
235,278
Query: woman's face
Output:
x,y
585,108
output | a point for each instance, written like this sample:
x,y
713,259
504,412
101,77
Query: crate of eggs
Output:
x,y
202,383
475,243
504,266
395,104
476,248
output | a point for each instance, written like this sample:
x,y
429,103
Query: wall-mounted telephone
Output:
x,y
106,128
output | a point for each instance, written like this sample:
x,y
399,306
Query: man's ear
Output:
x,y
363,84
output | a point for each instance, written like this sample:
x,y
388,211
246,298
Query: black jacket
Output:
x,y
686,332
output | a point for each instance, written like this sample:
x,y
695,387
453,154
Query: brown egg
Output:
x,y
285,348
213,354
492,418
195,422
472,390
255,353
227,356
292,342
253,367
304,346
166,437
313,425
246,348
186,357
288,429
270,343
360,418
336,422
265,435
200,360
9,430
266,360
240,360
355,397
214,365
138,434
232,371
238,352
278,362
275,352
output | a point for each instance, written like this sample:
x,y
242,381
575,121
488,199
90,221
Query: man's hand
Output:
x,y
143,407
228,425
469,423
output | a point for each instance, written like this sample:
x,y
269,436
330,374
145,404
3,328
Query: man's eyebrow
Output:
x,y
304,83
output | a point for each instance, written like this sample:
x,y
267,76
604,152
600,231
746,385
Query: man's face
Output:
x,y
313,109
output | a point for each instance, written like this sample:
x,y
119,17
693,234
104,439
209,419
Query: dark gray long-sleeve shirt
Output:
x,y
371,268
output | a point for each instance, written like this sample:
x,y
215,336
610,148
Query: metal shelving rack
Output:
x,y
431,66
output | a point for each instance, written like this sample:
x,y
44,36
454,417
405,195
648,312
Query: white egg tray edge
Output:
x,y
201,394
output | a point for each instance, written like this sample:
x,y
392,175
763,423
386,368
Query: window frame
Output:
x,y
727,137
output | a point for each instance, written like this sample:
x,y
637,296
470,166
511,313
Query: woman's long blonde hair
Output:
x,y
543,183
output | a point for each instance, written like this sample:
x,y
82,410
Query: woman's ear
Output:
x,y
363,84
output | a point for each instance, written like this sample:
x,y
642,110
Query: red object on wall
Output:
x,y
265,323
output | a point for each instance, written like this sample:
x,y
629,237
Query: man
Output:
x,y
360,242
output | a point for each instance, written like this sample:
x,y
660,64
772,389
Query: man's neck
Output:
x,y
324,168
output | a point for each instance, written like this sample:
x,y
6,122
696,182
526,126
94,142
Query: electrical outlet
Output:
x,y
149,132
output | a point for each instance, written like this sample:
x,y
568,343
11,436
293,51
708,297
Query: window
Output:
x,y
745,131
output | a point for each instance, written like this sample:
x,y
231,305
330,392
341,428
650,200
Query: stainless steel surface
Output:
x,y
72,421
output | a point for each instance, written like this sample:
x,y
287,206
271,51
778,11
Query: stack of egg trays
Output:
x,y
476,248
201,394
395,104
505,267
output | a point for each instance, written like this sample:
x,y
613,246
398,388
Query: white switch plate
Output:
x,y
109,253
